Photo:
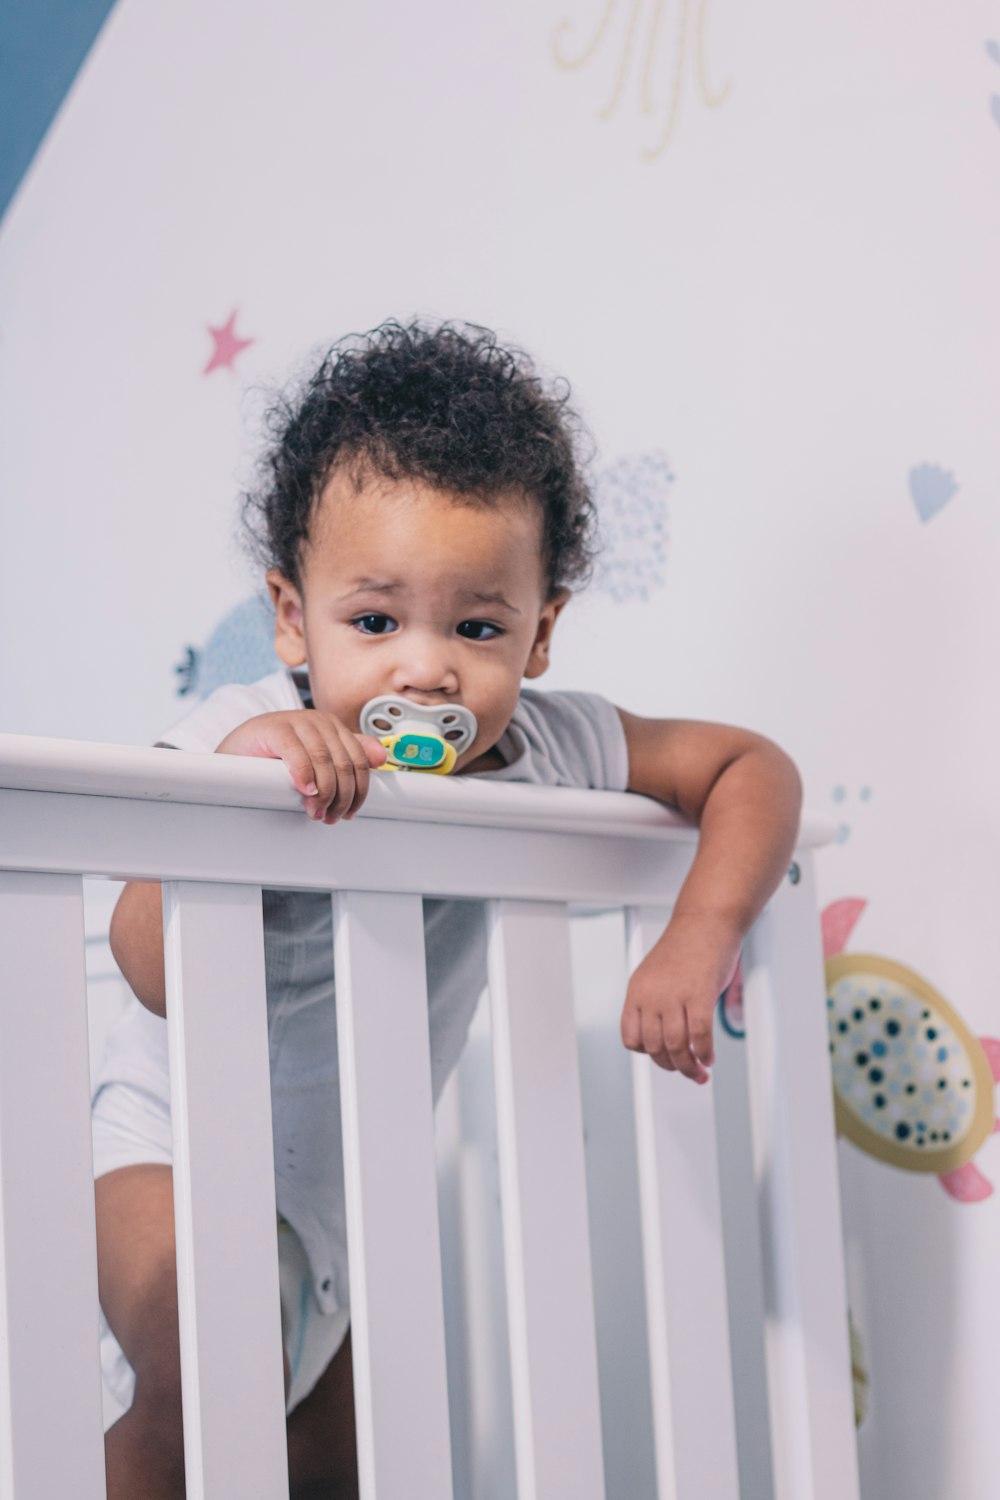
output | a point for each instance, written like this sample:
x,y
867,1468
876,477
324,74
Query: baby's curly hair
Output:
x,y
447,405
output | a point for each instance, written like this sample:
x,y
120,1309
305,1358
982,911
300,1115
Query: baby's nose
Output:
x,y
426,667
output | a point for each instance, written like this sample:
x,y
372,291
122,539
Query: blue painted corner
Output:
x,y
42,46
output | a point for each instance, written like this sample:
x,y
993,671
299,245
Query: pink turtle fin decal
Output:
x,y
839,920
967,1184
991,1046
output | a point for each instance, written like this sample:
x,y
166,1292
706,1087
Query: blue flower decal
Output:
x,y
633,497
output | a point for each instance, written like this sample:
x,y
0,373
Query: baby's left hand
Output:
x,y
672,995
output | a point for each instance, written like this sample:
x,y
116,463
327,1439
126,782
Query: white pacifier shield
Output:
x,y
393,715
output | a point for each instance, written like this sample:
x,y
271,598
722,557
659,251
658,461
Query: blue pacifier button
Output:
x,y
418,749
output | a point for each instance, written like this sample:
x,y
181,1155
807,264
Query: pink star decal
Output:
x,y
227,345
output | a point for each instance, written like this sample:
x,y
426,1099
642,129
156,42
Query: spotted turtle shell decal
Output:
x,y
912,1085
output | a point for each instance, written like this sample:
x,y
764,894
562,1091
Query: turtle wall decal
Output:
x,y
912,1085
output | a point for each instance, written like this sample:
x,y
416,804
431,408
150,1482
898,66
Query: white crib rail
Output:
x,y
227,1269
694,1422
215,830
553,1344
397,1313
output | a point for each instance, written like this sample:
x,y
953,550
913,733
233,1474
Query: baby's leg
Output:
x,y
144,1450
322,1449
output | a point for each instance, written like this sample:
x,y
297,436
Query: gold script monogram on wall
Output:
x,y
667,44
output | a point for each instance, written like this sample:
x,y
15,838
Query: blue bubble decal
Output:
x,y
931,488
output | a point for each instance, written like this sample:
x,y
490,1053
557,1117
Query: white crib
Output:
x,y
217,829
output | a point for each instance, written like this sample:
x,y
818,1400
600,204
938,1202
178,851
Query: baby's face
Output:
x,y
408,591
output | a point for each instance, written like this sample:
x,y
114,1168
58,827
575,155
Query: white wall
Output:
x,y
796,300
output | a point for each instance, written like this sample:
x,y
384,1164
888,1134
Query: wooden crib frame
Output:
x,y
215,830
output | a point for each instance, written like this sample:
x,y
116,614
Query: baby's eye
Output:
x,y
375,624
479,630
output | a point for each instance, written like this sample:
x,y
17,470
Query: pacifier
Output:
x,y
419,736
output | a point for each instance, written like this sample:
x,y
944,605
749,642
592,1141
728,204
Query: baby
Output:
x,y
423,518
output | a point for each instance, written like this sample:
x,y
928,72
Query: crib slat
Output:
x,y
227,1259
794,1144
553,1342
50,1384
397,1305
694,1421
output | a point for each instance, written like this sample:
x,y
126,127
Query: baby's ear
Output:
x,y
538,657
289,637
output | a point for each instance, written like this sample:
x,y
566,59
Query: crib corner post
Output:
x,y
50,1386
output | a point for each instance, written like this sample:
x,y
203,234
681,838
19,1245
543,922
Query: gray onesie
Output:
x,y
554,739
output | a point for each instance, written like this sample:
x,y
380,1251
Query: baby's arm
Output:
x,y
745,795
328,765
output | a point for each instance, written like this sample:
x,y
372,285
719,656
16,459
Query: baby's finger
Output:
x,y
375,751
296,759
341,747
688,1064
700,1033
677,1044
325,771
652,1032
685,1062
631,1028
359,761
663,1060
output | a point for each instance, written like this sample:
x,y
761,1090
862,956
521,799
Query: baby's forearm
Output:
x,y
136,937
748,823
747,833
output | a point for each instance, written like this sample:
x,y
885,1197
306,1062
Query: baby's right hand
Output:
x,y
328,762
